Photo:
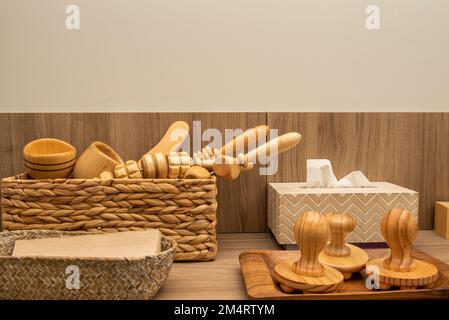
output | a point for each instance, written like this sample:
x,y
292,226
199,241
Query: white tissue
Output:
x,y
355,179
321,175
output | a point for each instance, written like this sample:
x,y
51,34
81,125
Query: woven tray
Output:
x,y
183,210
46,278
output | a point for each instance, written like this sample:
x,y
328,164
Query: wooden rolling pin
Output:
x,y
229,168
233,147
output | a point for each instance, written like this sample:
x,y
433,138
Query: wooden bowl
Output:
x,y
49,158
97,158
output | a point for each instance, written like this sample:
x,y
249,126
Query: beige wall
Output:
x,y
202,55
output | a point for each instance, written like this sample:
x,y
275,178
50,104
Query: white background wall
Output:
x,y
224,55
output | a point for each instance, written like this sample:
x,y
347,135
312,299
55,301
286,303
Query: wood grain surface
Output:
x,y
258,267
242,203
225,273
408,149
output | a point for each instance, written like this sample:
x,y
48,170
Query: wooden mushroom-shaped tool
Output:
x,y
338,254
308,274
229,167
399,229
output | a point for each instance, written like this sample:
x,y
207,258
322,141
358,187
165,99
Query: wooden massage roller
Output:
x,y
162,162
229,167
207,156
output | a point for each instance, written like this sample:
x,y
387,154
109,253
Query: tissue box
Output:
x,y
286,201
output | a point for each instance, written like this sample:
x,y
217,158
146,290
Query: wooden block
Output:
x,y
127,244
442,219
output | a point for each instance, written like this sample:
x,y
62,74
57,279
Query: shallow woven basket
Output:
x,y
183,210
27,278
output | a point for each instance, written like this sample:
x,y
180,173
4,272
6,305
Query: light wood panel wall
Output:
x,y
408,149
241,203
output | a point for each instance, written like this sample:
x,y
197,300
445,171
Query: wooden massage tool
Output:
x,y
128,170
155,166
399,229
338,254
197,172
172,140
176,165
229,167
206,157
308,274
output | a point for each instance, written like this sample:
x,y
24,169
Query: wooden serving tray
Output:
x,y
257,269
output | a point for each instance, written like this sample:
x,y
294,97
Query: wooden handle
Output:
x,y
340,224
399,228
172,140
311,234
240,144
273,147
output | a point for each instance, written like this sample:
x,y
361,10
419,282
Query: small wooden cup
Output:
x,y
97,158
49,158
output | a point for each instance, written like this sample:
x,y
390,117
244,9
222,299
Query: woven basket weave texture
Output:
x,y
183,210
25,278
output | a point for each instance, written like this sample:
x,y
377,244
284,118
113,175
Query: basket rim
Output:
x,y
6,234
17,178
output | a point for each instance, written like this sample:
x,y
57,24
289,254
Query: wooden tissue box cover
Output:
x,y
286,201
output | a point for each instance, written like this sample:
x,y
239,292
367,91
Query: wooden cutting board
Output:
x,y
128,244
258,269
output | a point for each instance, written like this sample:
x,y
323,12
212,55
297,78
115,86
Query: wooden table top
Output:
x,y
222,279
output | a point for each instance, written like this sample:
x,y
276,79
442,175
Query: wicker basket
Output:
x,y
182,209
99,278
